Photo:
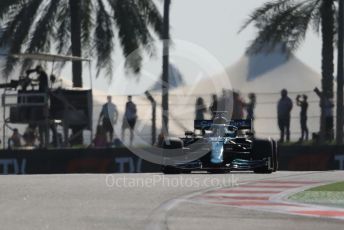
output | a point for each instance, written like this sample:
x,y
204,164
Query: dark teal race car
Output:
x,y
220,146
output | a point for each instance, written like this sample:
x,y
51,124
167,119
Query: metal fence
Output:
x,y
182,114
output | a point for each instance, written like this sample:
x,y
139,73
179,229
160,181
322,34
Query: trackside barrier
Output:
x,y
73,161
121,160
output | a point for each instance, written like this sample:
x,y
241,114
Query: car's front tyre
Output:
x,y
264,149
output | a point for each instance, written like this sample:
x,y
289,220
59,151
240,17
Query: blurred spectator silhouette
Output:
x,y
238,106
15,140
117,143
161,139
328,109
213,106
42,79
250,106
30,135
201,109
225,103
100,139
129,119
109,117
327,105
303,116
284,107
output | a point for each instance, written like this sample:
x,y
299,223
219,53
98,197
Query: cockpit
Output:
x,y
222,128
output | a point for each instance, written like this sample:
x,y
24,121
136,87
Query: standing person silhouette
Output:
x,y
42,78
238,106
213,106
39,113
326,105
109,117
303,116
200,109
284,107
15,140
129,119
250,106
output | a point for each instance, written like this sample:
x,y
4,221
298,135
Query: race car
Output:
x,y
222,145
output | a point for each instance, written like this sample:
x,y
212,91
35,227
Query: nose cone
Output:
x,y
217,152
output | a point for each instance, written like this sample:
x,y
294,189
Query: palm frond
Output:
x,y
62,29
287,26
104,39
267,9
127,33
7,6
87,7
152,16
316,22
40,39
42,25
62,32
18,31
133,19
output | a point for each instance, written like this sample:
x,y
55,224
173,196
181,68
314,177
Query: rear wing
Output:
x,y
203,124
206,124
242,124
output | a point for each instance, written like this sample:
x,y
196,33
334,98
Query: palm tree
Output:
x,y
79,27
165,64
287,22
340,73
73,26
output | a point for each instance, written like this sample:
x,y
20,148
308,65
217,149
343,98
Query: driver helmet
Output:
x,y
220,119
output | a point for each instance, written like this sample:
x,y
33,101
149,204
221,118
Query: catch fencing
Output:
x,y
182,114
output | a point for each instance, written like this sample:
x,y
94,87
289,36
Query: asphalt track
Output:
x,y
242,201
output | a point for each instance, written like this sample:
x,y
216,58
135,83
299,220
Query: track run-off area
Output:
x,y
155,201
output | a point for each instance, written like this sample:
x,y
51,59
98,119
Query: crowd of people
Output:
x,y
105,135
29,139
240,108
285,106
223,104
230,102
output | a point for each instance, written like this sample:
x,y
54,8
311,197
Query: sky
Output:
x,y
212,26
205,36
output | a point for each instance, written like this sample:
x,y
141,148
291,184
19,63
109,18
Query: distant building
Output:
x,y
175,79
266,74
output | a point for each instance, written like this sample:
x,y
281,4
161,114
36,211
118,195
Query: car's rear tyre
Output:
x,y
169,170
217,171
172,151
173,170
275,156
264,149
173,143
263,170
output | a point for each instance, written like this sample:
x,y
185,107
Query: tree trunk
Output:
x,y
75,6
327,25
340,75
75,14
165,74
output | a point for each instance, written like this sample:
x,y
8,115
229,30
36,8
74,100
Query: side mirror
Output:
x,y
189,133
249,133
